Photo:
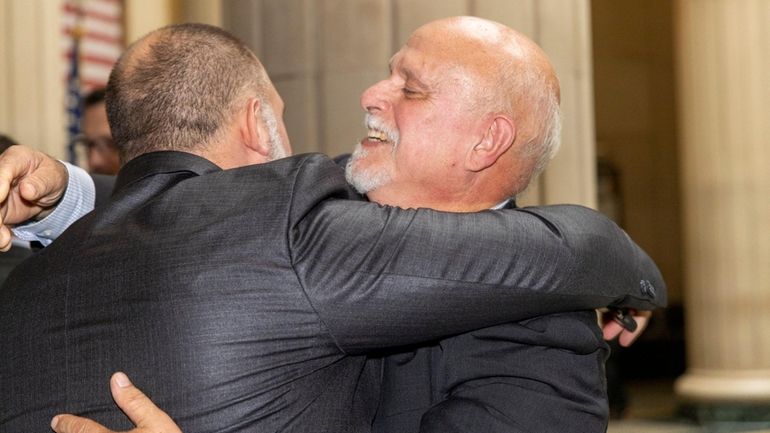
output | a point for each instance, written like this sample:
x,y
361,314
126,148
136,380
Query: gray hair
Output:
x,y
525,89
177,87
544,147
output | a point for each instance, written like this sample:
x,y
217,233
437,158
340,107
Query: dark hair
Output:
x,y
175,88
6,142
94,97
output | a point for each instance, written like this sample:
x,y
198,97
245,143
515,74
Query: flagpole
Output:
x,y
74,98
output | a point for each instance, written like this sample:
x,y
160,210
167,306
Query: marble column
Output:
x,y
724,95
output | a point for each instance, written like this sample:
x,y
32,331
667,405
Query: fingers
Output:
x,y
46,184
76,424
611,330
11,168
40,177
138,407
30,181
642,319
6,240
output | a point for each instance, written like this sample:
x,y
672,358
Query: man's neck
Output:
x,y
408,202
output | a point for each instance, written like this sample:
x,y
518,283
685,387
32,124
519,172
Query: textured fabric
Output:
x,y
76,202
544,374
540,375
11,258
103,184
243,300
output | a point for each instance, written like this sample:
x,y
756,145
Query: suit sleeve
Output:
x,y
381,276
540,375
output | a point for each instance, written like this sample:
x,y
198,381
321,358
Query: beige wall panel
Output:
x,y
33,93
356,35
410,14
52,119
341,114
6,62
355,44
34,81
293,47
243,19
627,100
565,35
301,116
144,16
25,92
517,14
201,11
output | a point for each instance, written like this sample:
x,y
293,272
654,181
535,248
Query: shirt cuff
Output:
x,y
77,201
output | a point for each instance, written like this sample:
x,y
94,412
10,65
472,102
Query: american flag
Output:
x,y
92,41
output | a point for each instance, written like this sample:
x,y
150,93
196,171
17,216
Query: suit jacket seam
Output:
x,y
292,261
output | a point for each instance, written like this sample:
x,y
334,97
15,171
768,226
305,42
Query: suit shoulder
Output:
x,y
315,178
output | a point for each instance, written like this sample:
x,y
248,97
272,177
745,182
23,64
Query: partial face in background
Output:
x,y
102,155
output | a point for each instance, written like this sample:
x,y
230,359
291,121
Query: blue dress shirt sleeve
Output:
x,y
77,201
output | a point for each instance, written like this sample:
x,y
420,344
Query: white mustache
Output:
x,y
375,123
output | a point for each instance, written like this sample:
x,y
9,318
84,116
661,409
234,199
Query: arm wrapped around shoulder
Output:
x,y
380,276
605,254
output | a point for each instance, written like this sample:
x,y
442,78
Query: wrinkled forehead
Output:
x,y
453,49
430,62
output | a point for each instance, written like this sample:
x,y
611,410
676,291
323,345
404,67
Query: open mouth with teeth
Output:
x,y
378,136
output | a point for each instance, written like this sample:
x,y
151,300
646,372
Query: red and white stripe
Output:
x,y
101,42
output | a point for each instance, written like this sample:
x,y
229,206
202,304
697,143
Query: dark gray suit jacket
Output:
x,y
245,300
544,374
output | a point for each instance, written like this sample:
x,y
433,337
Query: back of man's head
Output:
x,y
178,88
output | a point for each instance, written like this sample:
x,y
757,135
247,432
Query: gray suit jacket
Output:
x,y
245,300
541,375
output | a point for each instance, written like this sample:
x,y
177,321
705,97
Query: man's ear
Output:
x,y
253,129
497,139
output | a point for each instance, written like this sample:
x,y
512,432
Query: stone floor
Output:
x,y
653,408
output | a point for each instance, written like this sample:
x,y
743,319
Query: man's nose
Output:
x,y
377,97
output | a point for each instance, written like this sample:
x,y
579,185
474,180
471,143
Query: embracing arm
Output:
x,y
382,276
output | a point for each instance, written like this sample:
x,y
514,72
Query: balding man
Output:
x,y
260,291
467,118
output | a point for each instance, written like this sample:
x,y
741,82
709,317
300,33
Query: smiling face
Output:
x,y
421,120
452,125
436,102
